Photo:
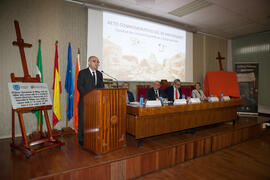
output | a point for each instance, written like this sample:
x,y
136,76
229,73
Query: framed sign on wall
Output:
x,y
247,76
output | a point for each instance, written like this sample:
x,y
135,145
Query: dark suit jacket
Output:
x,y
170,93
130,96
85,84
151,95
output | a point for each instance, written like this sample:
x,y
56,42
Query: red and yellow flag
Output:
x,y
76,95
57,90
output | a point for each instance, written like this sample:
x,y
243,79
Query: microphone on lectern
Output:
x,y
111,77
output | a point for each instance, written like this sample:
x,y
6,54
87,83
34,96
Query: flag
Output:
x,y
69,85
40,72
76,95
57,90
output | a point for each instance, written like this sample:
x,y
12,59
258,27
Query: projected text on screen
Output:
x,y
140,50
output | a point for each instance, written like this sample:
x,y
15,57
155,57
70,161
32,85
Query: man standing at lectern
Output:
x,y
88,79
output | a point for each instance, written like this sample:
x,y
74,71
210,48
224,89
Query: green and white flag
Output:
x,y
40,72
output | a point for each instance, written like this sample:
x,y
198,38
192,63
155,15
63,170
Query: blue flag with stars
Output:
x,y
69,85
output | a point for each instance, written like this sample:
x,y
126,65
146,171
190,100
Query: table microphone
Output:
x,y
111,77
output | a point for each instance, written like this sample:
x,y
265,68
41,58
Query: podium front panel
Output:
x,y
105,120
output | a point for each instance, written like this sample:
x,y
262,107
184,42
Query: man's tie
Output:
x,y
94,78
176,94
156,94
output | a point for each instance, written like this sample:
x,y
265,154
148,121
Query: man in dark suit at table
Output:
x,y
88,79
130,97
174,92
155,92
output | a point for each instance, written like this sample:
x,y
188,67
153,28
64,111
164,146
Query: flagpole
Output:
x,y
67,103
40,113
66,112
39,131
76,94
39,41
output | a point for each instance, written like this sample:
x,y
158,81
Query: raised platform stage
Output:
x,y
158,152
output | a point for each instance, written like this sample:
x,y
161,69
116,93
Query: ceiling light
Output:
x,y
190,8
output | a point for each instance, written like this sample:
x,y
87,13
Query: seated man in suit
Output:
x,y
155,92
198,92
88,79
174,92
130,97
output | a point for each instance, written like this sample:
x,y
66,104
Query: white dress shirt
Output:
x,y
156,93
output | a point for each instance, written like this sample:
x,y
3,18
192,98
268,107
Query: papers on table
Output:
x,y
194,101
225,98
153,103
213,99
180,101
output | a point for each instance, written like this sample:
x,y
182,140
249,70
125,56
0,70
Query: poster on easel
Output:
x,y
247,76
29,95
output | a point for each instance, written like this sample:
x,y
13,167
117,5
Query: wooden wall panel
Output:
x,y
236,136
214,143
180,153
227,139
148,162
199,148
245,134
189,151
118,170
166,158
207,145
133,167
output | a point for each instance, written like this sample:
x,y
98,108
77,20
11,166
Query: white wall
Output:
x,y
95,34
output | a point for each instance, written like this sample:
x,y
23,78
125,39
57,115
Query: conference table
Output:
x,y
145,122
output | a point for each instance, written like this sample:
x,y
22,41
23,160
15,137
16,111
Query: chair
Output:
x,y
141,91
164,84
187,90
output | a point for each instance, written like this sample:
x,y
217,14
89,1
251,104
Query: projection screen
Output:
x,y
132,49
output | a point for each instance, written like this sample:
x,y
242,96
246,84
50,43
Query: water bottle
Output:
x,y
189,100
161,100
209,98
141,101
183,96
221,96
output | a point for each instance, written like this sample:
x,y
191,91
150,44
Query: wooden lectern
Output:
x,y
105,120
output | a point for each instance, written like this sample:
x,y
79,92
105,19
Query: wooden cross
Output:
x,y
219,60
21,44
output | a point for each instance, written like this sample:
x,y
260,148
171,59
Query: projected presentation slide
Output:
x,y
140,50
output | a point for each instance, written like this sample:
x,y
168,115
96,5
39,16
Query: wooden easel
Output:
x,y
25,147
